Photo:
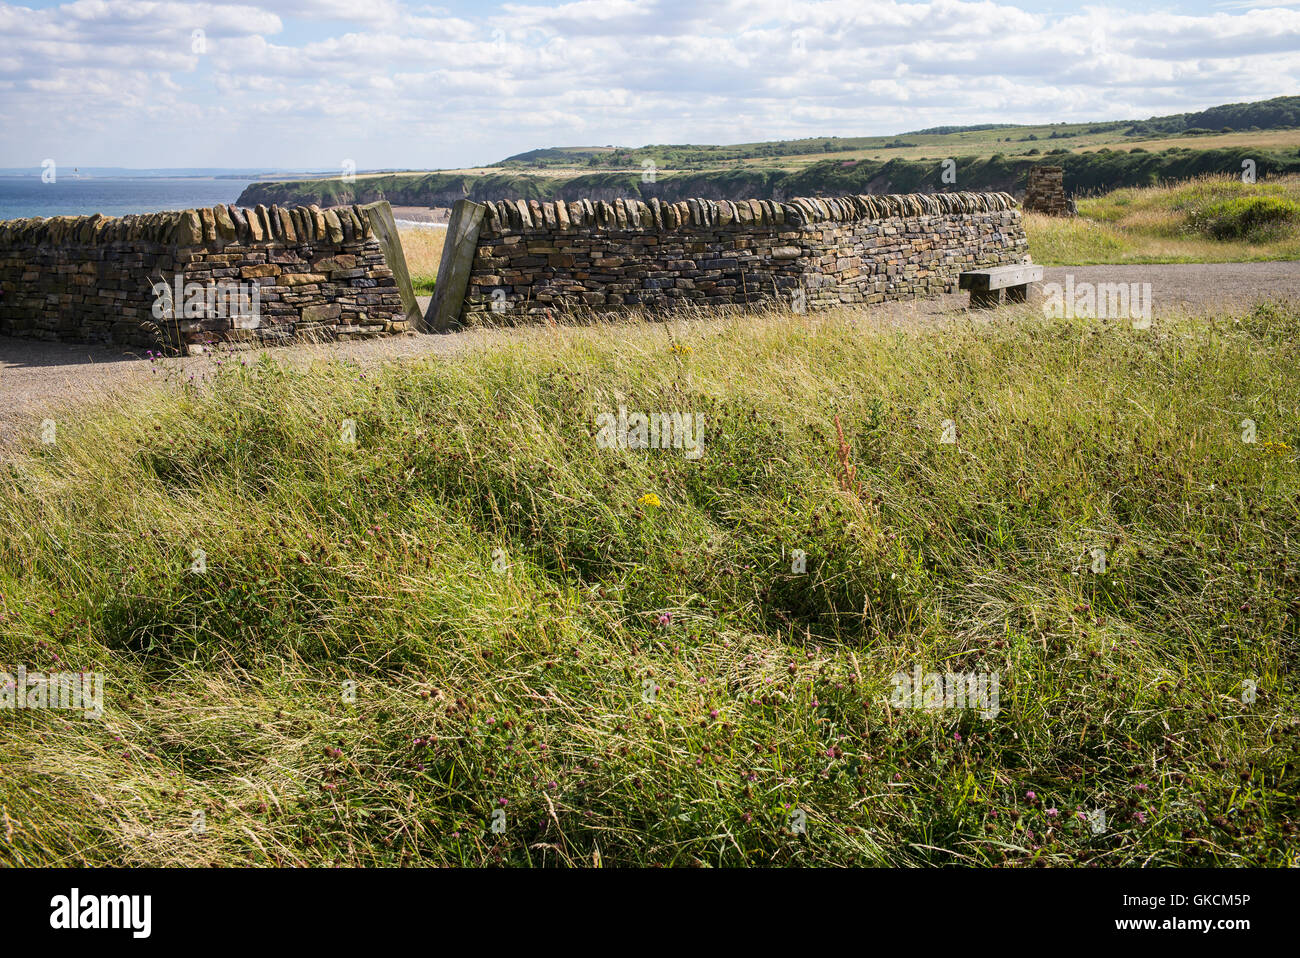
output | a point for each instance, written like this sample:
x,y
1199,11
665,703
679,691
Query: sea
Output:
x,y
115,193
81,195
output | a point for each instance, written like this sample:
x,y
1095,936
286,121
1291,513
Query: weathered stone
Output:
x,y
302,224
318,222
225,226
327,264
189,232
287,229
360,225
301,279
324,313
209,224
333,228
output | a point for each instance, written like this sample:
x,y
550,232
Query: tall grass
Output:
x,y
422,248
500,590
1186,222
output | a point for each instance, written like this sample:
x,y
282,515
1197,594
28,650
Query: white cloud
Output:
x,y
295,82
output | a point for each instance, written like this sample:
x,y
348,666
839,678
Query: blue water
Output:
x,y
22,196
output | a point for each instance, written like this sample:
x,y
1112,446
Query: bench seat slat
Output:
x,y
999,277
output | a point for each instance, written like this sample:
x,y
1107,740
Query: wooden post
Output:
x,y
380,217
454,268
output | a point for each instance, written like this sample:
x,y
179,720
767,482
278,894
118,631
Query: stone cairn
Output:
x,y
1046,192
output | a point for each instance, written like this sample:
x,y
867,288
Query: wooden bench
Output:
x,y
987,285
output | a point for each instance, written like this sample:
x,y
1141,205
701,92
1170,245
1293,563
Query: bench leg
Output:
x,y
1018,294
985,299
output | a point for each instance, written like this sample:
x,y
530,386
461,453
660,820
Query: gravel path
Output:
x,y
37,379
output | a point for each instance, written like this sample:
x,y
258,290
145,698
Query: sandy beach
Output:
x,y
422,215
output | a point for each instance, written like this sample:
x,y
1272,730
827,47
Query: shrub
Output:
x,y
1254,218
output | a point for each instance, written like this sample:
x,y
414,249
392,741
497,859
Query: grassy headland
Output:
x,y
1096,156
1084,172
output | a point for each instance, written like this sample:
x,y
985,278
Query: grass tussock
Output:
x,y
1205,220
476,609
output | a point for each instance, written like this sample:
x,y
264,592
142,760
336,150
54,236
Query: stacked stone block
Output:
x,y
535,257
322,274
1046,192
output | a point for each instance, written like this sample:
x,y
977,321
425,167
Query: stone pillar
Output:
x,y
1046,192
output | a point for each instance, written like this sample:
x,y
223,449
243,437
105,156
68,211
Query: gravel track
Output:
x,y
38,379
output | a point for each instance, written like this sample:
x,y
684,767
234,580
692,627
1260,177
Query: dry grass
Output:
x,y
1151,225
423,249
1253,140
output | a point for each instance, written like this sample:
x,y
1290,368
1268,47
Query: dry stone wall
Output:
x,y
530,257
188,278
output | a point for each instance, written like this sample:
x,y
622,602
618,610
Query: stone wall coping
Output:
x,y
515,216
217,225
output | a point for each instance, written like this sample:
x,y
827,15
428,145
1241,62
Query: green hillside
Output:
x,y
983,139
1096,156
1084,173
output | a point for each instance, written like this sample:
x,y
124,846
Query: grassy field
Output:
x,y
1029,141
1168,224
1263,125
475,615
422,248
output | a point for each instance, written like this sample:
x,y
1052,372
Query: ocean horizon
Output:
x,y
25,196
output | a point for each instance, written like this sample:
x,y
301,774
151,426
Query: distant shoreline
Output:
x,y
421,215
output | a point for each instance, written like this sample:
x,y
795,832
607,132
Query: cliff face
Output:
x,y
1099,171
400,190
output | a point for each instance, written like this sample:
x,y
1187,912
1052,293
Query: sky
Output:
x,y
386,84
